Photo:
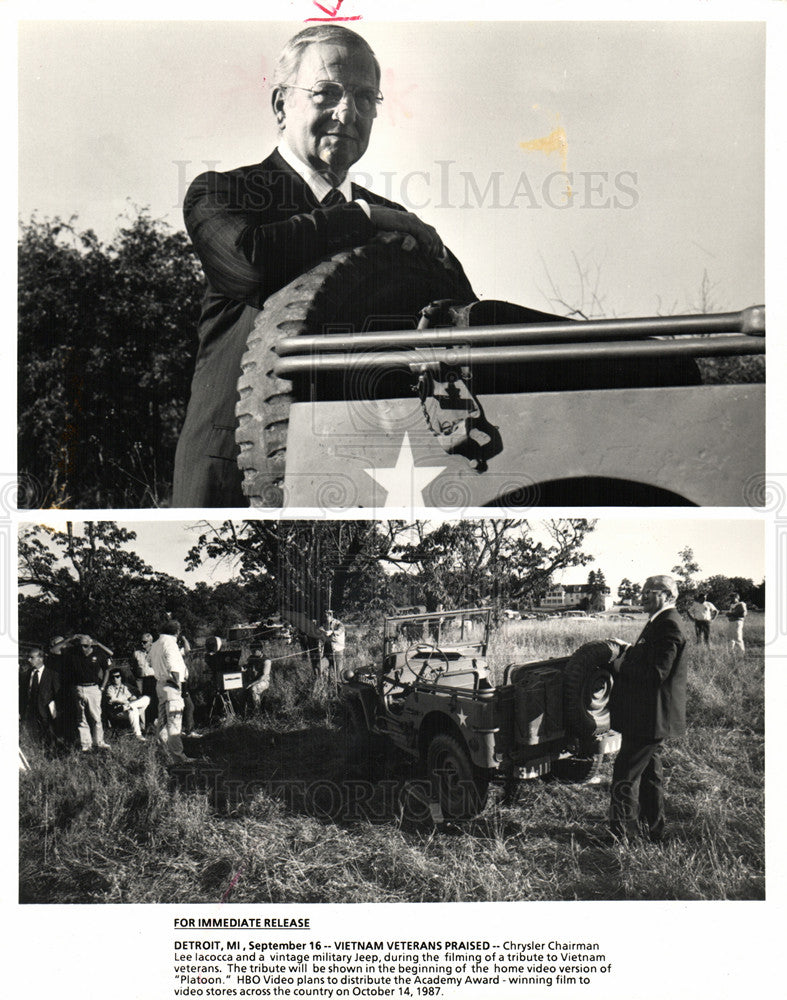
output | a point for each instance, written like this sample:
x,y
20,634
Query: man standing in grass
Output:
x,y
40,690
647,705
171,672
335,639
735,616
147,679
86,669
702,613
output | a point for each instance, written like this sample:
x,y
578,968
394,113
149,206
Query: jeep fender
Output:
x,y
366,697
480,746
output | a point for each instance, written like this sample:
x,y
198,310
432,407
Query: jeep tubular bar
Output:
x,y
713,335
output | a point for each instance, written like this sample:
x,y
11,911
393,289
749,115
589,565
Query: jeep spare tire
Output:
x,y
587,685
379,286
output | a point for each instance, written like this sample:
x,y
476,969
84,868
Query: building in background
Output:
x,y
583,596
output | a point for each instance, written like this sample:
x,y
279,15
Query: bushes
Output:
x,y
107,336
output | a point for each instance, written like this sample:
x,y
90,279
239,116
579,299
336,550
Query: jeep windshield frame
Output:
x,y
439,629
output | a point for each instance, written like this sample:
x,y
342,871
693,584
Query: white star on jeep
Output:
x,y
404,483
462,717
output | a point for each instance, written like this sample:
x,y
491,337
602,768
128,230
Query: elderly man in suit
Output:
x,y
39,693
257,228
648,704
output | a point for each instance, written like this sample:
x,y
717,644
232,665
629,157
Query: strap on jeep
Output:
x,y
451,409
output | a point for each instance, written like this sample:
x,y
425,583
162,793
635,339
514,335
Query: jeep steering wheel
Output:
x,y
441,667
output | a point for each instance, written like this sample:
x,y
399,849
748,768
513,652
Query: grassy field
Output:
x,y
265,815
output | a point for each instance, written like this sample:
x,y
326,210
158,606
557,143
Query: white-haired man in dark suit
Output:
x,y
257,228
648,705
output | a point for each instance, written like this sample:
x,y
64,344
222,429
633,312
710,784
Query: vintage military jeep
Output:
x,y
433,698
378,379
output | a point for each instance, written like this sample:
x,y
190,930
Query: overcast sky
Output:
x,y
658,125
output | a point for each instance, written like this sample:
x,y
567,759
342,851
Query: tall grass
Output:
x,y
268,815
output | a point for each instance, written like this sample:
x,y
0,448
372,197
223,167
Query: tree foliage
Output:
x,y
719,588
106,353
628,591
376,565
597,582
497,562
88,580
684,572
306,565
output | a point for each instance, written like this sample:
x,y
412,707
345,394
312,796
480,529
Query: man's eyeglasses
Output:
x,y
327,95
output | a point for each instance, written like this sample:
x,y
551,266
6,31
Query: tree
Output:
x,y
107,335
718,588
628,591
367,565
214,610
306,564
89,581
597,590
685,571
492,561
597,583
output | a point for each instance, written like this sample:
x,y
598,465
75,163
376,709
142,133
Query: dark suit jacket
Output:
x,y
34,706
255,229
648,699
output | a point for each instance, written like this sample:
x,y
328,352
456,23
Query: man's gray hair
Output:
x,y
290,57
665,583
171,627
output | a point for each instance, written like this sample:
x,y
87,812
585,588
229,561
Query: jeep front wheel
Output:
x,y
456,783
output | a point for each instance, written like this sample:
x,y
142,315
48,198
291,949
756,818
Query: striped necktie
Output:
x,y
334,197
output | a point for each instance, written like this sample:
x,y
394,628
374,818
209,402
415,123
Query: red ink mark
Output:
x,y
230,887
333,15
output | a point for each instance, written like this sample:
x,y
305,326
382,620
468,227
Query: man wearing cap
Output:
x,y
647,705
257,228
86,667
